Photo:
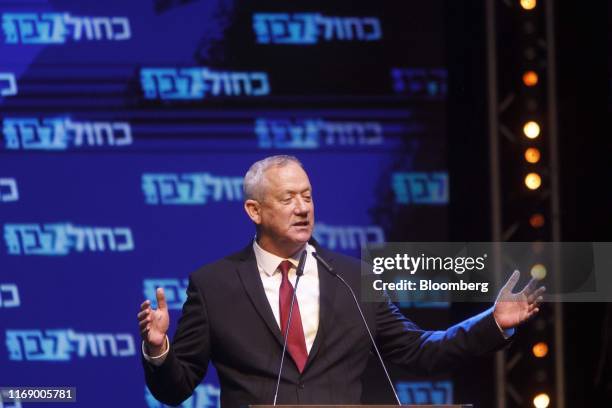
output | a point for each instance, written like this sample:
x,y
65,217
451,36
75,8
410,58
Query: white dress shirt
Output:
x,y
307,292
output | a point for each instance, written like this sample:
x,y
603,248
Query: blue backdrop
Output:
x,y
127,128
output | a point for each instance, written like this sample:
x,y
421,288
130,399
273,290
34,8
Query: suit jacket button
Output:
x,y
301,385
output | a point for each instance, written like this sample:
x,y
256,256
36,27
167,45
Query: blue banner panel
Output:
x,y
126,129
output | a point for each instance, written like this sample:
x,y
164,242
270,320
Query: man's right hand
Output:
x,y
153,324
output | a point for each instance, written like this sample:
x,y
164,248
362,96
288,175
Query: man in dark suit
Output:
x,y
236,312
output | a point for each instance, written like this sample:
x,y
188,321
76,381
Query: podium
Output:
x,y
365,406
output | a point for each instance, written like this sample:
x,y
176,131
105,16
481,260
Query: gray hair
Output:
x,y
253,179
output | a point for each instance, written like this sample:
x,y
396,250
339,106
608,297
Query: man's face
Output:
x,y
286,216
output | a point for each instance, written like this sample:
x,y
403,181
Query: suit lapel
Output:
x,y
249,275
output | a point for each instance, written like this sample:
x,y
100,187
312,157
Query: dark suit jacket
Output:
x,y
227,319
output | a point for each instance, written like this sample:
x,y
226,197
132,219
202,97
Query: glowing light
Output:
x,y
540,349
536,220
531,129
528,4
538,271
541,400
530,78
532,155
533,181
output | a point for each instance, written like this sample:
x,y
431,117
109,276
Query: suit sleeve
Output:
x,y
189,354
404,343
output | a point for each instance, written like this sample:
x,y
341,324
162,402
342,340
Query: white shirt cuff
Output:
x,y
158,360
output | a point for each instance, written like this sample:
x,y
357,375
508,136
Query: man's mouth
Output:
x,y
301,224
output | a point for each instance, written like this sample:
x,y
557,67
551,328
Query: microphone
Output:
x,y
329,269
301,263
299,272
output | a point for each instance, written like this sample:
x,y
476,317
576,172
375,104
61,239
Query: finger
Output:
x,y
161,299
143,314
144,324
509,286
144,305
529,288
537,294
531,313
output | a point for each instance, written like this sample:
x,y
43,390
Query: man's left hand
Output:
x,y
512,309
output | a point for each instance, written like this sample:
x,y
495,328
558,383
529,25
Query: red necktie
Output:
x,y
296,343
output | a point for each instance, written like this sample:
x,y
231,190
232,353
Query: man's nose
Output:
x,y
301,206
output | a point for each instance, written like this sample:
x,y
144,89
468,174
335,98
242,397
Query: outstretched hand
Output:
x,y
512,309
154,323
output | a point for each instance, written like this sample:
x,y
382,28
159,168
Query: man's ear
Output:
x,y
253,210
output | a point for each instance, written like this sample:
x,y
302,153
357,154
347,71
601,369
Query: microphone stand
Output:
x,y
299,272
329,269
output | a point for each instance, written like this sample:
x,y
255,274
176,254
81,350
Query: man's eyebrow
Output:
x,y
294,191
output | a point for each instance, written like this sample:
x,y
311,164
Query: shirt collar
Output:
x,y
269,262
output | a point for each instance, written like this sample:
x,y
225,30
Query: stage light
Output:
x,y
541,400
528,4
538,271
531,129
533,181
536,220
540,349
532,155
530,78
